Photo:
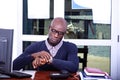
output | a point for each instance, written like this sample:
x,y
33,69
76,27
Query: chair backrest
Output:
x,y
83,59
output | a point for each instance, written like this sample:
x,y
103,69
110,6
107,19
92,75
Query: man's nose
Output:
x,y
56,35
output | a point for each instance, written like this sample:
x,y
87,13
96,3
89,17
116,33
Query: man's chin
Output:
x,y
54,43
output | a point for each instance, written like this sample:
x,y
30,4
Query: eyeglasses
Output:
x,y
58,32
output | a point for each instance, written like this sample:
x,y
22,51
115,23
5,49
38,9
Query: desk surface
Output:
x,y
43,75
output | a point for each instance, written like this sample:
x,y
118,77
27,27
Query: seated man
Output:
x,y
52,53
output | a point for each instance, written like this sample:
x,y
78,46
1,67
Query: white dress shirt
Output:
x,y
53,49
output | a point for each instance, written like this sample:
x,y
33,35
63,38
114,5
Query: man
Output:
x,y
50,54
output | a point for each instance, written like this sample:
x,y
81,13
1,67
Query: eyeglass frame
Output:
x,y
58,32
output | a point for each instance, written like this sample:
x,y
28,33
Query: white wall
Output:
x,y
8,14
10,18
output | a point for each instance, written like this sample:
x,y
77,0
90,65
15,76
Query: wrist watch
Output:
x,y
50,60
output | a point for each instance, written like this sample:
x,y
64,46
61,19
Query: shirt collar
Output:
x,y
56,47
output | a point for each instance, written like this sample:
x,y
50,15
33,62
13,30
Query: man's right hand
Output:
x,y
41,58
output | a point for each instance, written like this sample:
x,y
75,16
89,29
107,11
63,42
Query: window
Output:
x,y
80,28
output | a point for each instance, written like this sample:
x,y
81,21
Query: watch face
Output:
x,y
55,74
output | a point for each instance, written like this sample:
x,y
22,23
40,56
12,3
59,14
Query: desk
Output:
x,y
42,75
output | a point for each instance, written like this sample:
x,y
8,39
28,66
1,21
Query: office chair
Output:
x,y
83,60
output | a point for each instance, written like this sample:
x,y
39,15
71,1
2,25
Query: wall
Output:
x,y
9,19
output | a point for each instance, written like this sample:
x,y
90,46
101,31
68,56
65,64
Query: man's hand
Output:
x,y
38,62
41,58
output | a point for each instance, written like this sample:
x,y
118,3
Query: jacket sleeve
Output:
x,y
25,58
21,61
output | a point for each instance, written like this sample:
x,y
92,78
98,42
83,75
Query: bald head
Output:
x,y
59,21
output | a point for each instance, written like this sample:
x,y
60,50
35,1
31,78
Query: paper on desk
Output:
x,y
32,72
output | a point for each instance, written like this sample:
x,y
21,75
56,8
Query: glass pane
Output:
x,y
98,57
80,23
81,26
